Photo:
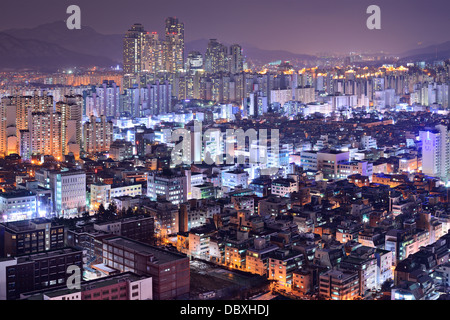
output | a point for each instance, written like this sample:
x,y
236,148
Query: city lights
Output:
x,y
277,156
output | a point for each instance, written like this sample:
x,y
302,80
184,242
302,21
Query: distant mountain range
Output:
x,y
86,47
18,53
430,53
52,45
250,51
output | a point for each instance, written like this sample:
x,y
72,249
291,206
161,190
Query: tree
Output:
x,y
101,210
86,216
387,285
129,211
112,208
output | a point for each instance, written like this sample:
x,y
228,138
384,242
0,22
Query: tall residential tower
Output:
x,y
174,32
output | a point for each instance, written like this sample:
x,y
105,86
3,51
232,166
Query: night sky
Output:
x,y
295,25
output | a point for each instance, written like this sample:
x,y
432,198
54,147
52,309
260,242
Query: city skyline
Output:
x,y
140,164
296,26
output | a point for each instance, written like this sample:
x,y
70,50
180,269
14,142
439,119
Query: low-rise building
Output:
x,y
282,264
124,286
284,187
258,257
234,179
362,260
37,271
30,236
169,270
339,285
18,205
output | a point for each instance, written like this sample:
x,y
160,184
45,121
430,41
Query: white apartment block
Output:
x,y
132,191
367,143
308,160
329,160
384,266
284,187
199,245
172,187
68,190
436,152
97,135
100,194
233,179
320,107
17,205
363,168
104,193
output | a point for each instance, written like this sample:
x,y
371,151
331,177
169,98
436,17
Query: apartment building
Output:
x,y
282,264
123,286
339,285
258,256
68,190
37,271
169,270
18,205
30,236
284,187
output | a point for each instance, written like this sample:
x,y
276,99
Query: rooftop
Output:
x,y
124,220
17,194
46,254
329,151
110,280
162,256
26,225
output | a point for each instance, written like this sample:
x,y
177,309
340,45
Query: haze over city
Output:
x,y
294,25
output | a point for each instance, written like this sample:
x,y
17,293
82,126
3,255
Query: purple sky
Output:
x,y
295,25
